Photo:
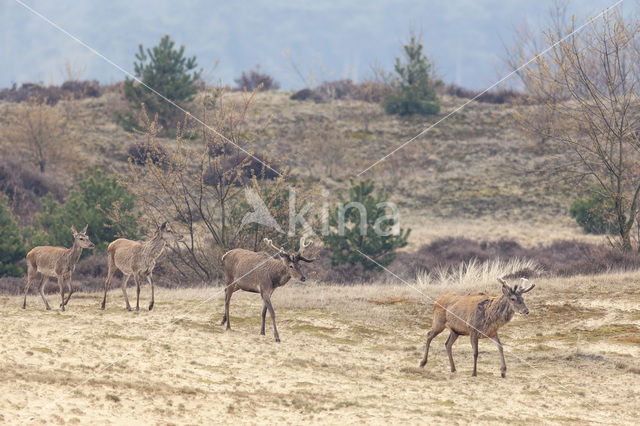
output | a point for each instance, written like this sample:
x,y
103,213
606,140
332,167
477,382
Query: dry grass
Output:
x,y
349,355
474,275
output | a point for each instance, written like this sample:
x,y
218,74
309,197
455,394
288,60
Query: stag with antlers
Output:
x,y
261,272
477,316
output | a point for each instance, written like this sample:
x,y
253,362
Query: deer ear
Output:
x,y
84,231
506,290
73,230
505,286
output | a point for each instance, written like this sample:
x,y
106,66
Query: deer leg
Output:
x,y
227,299
30,277
106,286
125,280
503,368
474,344
435,330
264,316
42,283
267,301
453,336
150,280
70,290
61,285
136,279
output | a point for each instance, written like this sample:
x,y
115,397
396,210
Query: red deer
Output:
x,y
478,316
56,262
137,258
261,273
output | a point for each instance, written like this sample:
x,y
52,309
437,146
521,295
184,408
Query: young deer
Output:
x,y
137,258
56,262
477,316
261,273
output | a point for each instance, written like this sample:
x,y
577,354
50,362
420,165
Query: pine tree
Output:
x,y
12,248
167,71
368,236
99,201
414,92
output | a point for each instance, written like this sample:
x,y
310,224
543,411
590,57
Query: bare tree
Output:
x,y
41,133
588,88
201,184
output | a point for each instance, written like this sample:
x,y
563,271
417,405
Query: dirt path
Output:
x,y
347,355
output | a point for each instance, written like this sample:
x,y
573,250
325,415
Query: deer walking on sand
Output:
x,y
261,272
137,258
57,262
477,316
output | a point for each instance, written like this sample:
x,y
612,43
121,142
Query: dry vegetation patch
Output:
x,y
349,354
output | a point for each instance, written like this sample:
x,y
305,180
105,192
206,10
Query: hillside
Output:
x,y
475,163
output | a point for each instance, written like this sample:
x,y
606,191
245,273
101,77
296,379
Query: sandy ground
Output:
x,y
348,355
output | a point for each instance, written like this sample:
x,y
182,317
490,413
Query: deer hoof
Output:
x,y
503,374
277,340
48,308
137,308
129,308
151,306
262,333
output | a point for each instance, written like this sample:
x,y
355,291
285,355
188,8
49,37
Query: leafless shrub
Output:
x,y
43,134
141,153
249,166
24,185
254,79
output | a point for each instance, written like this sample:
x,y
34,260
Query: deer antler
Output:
x,y
279,250
303,245
522,289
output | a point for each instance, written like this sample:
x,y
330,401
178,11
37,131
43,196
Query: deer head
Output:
x,y
514,294
291,260
168,234
81,238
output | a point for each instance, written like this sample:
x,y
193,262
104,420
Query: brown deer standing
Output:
x,y
477,316
261,273
56,262
137,258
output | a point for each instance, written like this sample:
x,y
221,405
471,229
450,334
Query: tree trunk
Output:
x,y
625,235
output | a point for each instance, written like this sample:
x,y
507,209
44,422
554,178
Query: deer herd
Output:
x,y
475,315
